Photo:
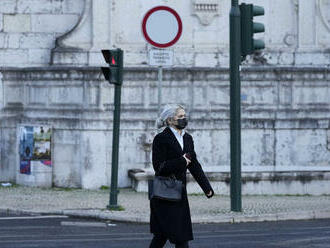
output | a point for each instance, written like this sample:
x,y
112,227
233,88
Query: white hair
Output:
x,y
169,111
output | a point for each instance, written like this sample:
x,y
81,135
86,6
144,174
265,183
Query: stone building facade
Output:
x,y
50,58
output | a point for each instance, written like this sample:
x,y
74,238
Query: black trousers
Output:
x,y
159,241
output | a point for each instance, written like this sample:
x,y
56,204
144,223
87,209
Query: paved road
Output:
x,y
49,231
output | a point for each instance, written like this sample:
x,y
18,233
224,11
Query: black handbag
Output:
x,y
165,188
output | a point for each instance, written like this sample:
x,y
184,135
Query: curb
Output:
x,y
123,217
19,212
109,215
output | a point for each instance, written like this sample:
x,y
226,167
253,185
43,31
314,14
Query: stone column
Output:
x,y
323,27
309,52
307,24
82,44
1,95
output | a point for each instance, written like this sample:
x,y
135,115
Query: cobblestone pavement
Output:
x,y
92,203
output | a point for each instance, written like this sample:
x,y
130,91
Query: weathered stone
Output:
x,y
11,57
328,138
39,56
1,96
49,23
96,58
285,109
324,123
41,176
37,41
9,40
69,57
73,6
1,22
302,148
206,60
39,7
309,58
290,41
8,6
78,104
16,23
265,183
286,58
3,39
8,169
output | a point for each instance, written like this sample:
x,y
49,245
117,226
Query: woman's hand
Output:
x,y
210,194
187,159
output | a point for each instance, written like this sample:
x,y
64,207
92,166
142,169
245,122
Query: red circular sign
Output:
x,y
162,26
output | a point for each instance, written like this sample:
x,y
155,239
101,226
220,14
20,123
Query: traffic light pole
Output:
x,y
115,150
235,108
116,61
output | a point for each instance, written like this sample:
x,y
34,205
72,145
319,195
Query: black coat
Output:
x,y
172,219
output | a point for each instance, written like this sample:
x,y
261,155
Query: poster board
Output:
x,y
35,153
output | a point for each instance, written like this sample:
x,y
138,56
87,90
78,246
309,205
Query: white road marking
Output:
x,y
110,224
35,217
84,224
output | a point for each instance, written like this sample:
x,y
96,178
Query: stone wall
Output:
x,y
72,32
285,119
49,74
29,28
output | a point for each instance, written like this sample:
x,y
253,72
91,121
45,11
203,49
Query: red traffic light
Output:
x,y
113,61
114,72
112,57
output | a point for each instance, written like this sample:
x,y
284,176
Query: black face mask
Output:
x,y
182,123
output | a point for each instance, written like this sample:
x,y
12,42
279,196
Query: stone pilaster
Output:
x,y
306,25
83,43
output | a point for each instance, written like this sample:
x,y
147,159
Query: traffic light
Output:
x,y
113,73
248,28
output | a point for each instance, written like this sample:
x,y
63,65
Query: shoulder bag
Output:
x,y
165,188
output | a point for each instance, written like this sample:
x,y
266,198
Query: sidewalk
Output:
x,y
92,203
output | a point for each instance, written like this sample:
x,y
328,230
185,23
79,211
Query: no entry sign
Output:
x,y
162,26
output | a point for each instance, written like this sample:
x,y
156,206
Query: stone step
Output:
x,y
253,183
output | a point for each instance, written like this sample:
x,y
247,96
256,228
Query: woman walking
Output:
x,y
172,154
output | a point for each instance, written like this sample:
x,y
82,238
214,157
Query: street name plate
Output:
x,y
160,57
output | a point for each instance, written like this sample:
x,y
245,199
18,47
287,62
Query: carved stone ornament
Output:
x,y
290,39
206,10
77,33
324,8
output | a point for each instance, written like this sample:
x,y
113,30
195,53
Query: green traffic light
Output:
x,y
258,27
249,28
258,44
257,10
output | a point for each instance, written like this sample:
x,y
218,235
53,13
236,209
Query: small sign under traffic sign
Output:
x,y
160,57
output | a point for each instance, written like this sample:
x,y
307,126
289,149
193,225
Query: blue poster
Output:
x,y
25,167
26,143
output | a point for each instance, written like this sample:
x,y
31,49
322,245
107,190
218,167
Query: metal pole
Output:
x,y
235,105
159,86
115,149
115,139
